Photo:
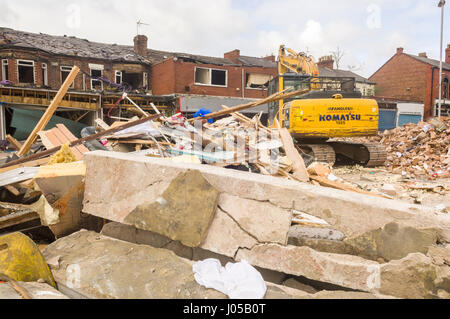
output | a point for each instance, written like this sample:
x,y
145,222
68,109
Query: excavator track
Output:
x,y
366,154
321,152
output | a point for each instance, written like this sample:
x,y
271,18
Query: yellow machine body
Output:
x,y
327,118
21,260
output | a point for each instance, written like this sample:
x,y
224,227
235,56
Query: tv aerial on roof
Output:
x,y
139,24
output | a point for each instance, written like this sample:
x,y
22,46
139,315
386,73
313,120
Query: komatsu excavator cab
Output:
x,y
331,108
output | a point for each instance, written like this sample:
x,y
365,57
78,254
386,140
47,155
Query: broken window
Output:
x,y
133,79
65,71
145,79
258,81
5,71
96,73
44,74
210,76
25,70
118,76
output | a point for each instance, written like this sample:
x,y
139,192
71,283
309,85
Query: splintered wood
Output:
x,y
60,135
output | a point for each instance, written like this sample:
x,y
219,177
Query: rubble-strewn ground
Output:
x,y
406,188
418,150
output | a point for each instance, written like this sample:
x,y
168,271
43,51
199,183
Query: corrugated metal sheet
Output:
x,y
193,103
387,119
408,118
25,120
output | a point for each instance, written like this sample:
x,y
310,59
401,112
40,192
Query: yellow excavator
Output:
x,y
331,108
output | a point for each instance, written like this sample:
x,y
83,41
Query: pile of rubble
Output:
x,y
152,207
421,149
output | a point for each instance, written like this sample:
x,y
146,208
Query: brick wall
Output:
x,y
163,77
54,71
170,77
407,79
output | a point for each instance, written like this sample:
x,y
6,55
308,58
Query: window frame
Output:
x,y
96,67
118,73
33,65
210,77
60,72
145,79
5,66
259,89
44,74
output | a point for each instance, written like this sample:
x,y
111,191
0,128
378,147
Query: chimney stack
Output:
x,y
399,51
140,45
233,56
326,62
423,55
270,58
447,54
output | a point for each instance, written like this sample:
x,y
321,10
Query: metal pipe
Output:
x,y
441,5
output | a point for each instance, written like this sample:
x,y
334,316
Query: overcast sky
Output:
x,y
368,31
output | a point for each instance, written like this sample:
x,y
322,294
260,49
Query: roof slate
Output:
x,y
69,46
432,62
323,71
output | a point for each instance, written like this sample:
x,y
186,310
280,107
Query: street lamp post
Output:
x,y
441,5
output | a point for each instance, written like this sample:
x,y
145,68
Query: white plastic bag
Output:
x,y
239,281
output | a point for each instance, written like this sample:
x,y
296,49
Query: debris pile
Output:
x,y
134,180
421,149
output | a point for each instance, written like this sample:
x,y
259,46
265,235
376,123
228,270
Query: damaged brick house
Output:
x,y
415,78
44,61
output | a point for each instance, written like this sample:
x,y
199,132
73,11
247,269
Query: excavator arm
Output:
x,y
298,63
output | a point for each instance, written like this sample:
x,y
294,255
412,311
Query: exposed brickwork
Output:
x,y
140,44
233,56
408,79
179,77
54,64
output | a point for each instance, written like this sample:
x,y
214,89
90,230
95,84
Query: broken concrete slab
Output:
x,y
343,270
415,276
96,266
35,290
393,241
225,236
248,215
91,265
183,212
134,180
300,231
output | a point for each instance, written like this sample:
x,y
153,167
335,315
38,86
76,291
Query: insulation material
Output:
x,y
64,155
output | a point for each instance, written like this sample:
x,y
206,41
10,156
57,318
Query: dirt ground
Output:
x,y
434,193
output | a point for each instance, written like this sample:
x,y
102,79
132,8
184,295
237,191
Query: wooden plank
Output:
x,y
38,162
102,124
12,190
49,112
324,181
17,218
15,143
299,167
63,140
63,129
39,155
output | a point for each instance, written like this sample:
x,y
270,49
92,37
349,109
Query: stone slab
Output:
x,y
133,180
110,268
182,212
